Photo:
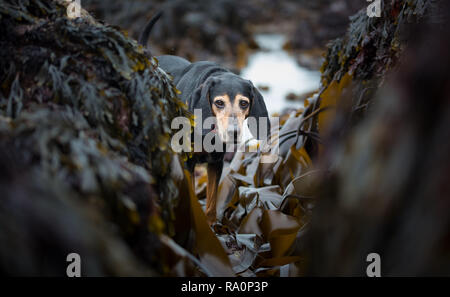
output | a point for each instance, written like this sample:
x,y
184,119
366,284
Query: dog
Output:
x,y
218,93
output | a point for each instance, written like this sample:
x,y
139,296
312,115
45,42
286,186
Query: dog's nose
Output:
x,y
233,130
233,134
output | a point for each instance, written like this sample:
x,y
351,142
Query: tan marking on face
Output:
x,y
229,114
241,109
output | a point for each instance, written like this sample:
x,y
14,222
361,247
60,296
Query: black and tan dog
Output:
x,y
218,93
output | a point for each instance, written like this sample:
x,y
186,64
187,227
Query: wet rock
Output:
x,y
264,88
300,97
292,97
197,30
322,21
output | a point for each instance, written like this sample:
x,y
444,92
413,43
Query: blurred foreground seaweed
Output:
x,y
87,115
387,142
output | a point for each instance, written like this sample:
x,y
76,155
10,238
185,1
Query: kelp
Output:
x,y
86,107
264,208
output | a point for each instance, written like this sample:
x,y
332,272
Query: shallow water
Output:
x,y
274,67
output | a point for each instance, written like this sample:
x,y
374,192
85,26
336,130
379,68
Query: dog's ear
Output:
x,y
201,100
258,114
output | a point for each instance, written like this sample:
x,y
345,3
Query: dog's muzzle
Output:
x,y
233,132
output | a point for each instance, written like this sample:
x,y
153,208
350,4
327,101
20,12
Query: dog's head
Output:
x,y
232,99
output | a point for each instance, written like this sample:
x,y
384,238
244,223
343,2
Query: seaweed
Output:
x,y
371,45
90,109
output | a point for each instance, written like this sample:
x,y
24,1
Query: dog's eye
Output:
x,y
243,104
219,103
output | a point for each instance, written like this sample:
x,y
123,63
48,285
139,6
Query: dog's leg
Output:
x,y
214,173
